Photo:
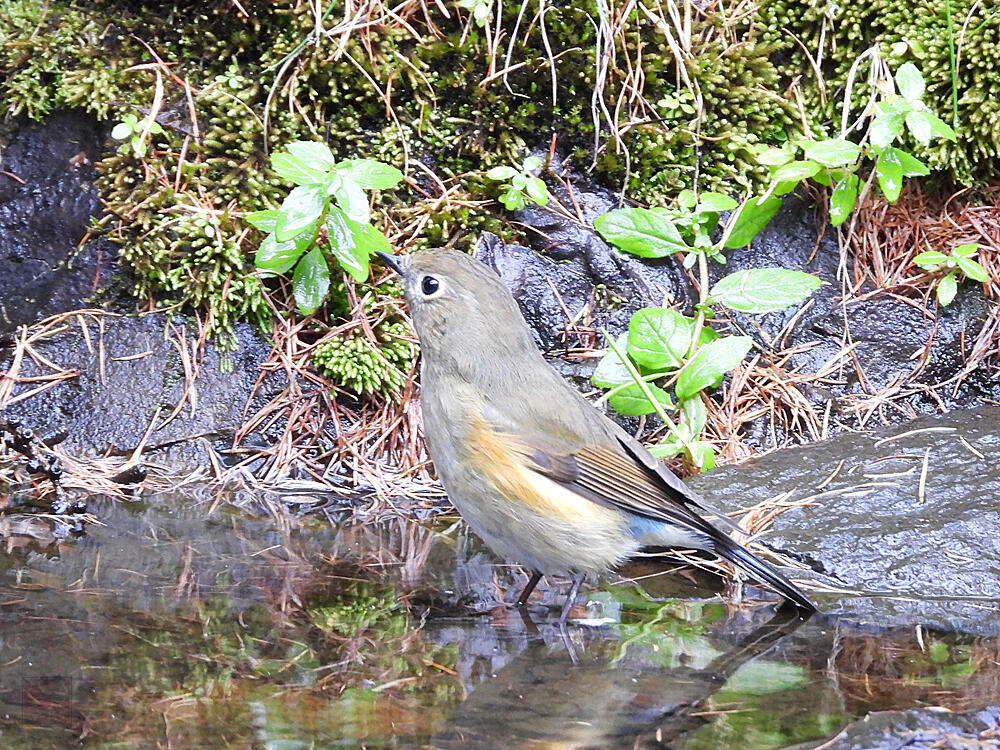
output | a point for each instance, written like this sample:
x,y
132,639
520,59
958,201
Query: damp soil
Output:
x,y
185,622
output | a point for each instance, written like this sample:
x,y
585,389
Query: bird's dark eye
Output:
x,y
429,285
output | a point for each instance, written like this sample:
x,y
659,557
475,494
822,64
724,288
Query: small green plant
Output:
x,y
326,217
835,162
365,367
134,132
520,186
961,261
481,9
662,345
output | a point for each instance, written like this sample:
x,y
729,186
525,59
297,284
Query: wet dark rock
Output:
x,y
47,198
921,729
111,404
903,545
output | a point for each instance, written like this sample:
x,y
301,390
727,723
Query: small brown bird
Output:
x,y
541,475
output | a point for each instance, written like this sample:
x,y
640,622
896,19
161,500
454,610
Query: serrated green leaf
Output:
x,y
710,363
912,166
930,260
748,223
265,220
351,198
885,128
311,281
971,269
716,202
890,176
313,154
632,402
909,82
947,289
794,171
640,231
370,174
368,240
300,211
763,290
343,245
834,152
842,199
919,125
611,371
659,338
279,257
293,169
940,128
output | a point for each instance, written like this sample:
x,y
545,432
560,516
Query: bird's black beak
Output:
x,y
390,260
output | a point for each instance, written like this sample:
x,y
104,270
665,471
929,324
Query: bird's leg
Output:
x,y
526,591
571,598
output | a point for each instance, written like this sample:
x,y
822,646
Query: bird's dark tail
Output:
x,y
729,550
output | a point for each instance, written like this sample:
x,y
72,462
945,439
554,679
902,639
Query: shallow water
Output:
x,y
179,625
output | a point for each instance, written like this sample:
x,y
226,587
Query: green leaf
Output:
x,y
890,175
343,245
501,173
940,128
701,454
972,269
835,152
794,171
966,251
885,129
611,371
350,197
513,199
295,170
537,191
659,338
687,199
753,218
909,82
265,221
313,154
311,281
930,260
694,414
632,402
763,290
640,231
121,131
531,164
842,199
920,126
300,211
370,174
667,449
368,240
912,166
716,202
947,289
279,257
774,157
710,363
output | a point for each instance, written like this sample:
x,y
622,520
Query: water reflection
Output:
x,y
177,625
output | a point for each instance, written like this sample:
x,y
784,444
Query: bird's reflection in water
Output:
x,y
641,688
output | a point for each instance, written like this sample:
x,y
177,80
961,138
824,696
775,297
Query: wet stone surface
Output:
x,y
903,520
47,198
131,375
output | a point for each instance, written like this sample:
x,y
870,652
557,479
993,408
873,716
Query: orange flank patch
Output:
x,y
501,458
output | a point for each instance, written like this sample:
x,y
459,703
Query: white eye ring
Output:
x,y
431,287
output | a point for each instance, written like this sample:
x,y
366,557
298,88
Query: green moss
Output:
x,y
364,367
838,32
